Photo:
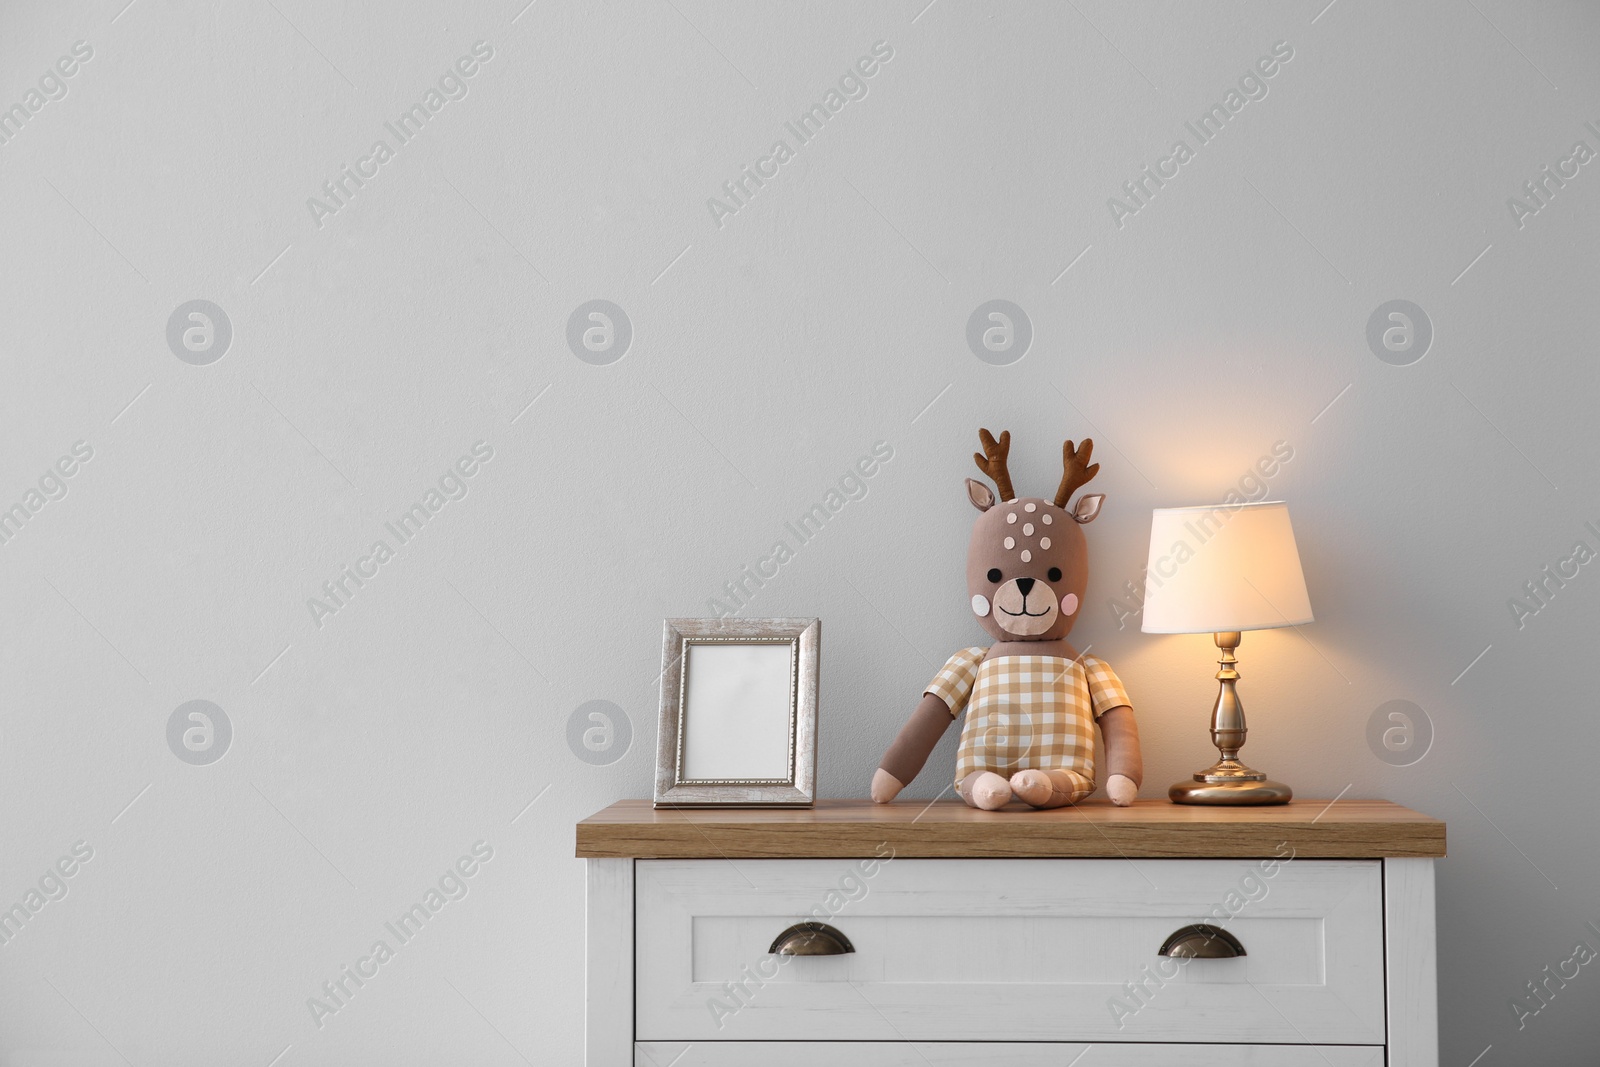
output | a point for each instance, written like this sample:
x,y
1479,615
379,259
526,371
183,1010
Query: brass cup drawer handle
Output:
x,y
811,939
1202,941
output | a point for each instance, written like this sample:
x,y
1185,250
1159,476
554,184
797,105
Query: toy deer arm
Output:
x,y
1123,759
911,747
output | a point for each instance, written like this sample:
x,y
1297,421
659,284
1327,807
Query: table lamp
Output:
x,y
1223,569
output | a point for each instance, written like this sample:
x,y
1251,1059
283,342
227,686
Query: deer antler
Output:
x,y
995,465
1076,471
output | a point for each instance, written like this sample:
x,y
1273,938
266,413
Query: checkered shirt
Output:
x,y
1027,712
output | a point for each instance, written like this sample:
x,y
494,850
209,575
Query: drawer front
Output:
x,y
1010,950
1006,1054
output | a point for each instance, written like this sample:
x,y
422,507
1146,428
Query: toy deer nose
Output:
x,y
1026,585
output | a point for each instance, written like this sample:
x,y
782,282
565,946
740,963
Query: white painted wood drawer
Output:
x,y
1028,950
999,1054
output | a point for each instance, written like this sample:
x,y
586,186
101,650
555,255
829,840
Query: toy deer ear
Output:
x,y
981,495
1087,507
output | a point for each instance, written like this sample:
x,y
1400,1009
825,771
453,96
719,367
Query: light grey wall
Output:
x,y
372,347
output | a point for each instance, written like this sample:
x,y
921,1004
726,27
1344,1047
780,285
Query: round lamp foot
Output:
x,y
1190,791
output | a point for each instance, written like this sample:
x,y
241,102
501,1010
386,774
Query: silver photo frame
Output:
x,y
738,713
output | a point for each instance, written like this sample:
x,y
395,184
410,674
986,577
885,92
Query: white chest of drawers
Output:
x,y
1017,939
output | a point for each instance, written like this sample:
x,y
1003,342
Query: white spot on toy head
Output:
x,y
1027,529
1027,556
1030,508
1046,519
1044,542
980,605
1011,542
1011,517
1069,603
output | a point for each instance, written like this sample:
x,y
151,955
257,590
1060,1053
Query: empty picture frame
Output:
x,y
738,713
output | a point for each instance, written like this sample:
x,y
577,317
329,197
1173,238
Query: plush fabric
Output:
x,y
910,750
1051,538
992,460
985,790
1121,735
1027,711
1050,789
1034,700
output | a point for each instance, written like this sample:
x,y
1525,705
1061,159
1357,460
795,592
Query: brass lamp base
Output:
x,y
1239,792
1229,781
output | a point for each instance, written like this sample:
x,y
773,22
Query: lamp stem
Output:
x,y
1229,781
1228,728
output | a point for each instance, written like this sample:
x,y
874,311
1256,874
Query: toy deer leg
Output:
x,y
1050,789
985,790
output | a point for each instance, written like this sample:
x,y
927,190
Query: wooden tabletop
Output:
x,y
1149,829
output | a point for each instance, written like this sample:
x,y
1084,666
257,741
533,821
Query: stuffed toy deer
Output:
x,y
1032,700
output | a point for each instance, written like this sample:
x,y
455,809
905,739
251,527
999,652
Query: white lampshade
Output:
x,y
1219,568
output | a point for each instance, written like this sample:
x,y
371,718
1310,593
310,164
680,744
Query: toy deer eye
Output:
x,y
1055,574
994,574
